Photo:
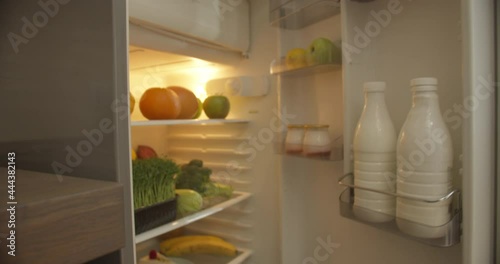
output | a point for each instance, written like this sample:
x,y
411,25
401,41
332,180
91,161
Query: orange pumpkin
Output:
x,y
132,102
160,103
189,103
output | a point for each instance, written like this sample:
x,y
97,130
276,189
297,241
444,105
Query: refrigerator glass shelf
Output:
x,y
297,14
237,198
445,235
217,165
279,67
227,137
243,254
188,122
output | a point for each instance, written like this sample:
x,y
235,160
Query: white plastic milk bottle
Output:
x,y
375,154
424,143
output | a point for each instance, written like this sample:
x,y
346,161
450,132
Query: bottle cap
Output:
x,y
374,86
424,84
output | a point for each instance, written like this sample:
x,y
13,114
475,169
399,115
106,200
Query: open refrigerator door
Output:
x,y
389,41
393,42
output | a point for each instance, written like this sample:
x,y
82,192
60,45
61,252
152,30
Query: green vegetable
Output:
x,y
153,181
218,189
188,201
197,163
193,176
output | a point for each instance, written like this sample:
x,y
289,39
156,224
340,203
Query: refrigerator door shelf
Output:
x,y
279,67
297,14
336,153
453,194
445,235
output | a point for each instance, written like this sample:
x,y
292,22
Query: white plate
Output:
x,y
180,261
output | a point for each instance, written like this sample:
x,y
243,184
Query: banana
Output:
x,y
169,243
214,247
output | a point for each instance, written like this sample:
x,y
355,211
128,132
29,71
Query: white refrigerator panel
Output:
x,y
396,41
479,90
222,23
412,45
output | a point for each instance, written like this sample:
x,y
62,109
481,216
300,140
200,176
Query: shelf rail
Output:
x,y
444,235
398,195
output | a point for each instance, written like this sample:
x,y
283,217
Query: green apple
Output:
x,y
200,109
216,107
321,51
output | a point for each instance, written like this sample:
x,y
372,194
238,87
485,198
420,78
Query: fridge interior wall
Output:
x,y
251,167
423,39
309,200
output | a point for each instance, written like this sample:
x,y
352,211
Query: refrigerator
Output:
x,y
68,67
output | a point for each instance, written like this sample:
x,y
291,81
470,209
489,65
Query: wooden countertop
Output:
x,y
61,220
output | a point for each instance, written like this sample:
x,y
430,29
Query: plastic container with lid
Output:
x,y
317,141
294,138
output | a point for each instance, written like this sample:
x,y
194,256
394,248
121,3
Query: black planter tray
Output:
x,y
155,215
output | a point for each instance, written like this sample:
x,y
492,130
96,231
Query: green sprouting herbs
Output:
x,y
153,181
